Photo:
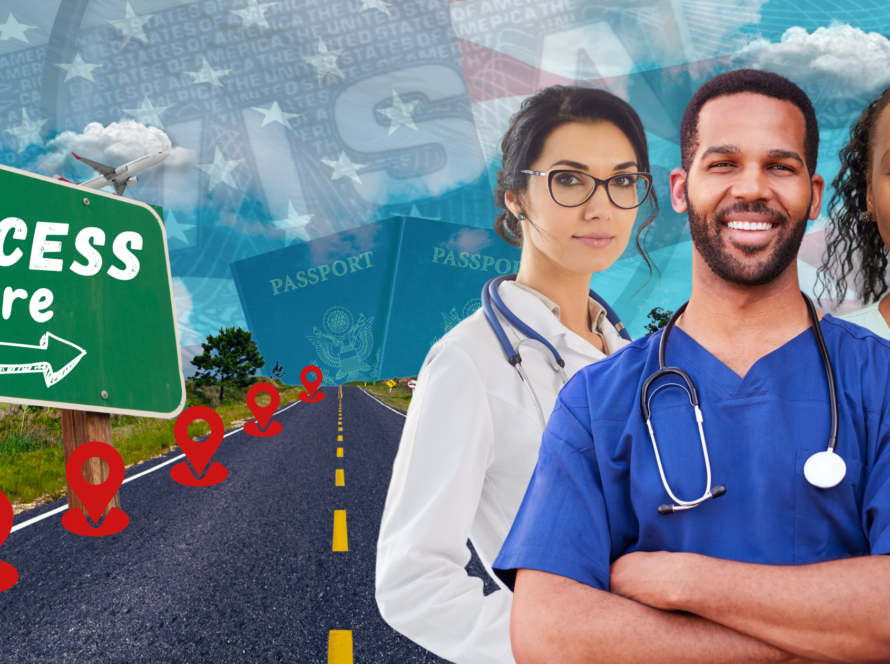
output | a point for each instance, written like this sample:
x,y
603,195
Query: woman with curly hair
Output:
x,y
859,236
575,173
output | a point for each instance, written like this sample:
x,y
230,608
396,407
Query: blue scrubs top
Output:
x,y
596,489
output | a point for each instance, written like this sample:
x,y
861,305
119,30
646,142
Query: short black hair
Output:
x,y
758,82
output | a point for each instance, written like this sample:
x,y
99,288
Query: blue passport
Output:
x,y
368,303
323,302
440,272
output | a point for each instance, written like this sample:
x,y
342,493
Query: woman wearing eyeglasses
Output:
x,y
575,173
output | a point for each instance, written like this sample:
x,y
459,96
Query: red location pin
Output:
x,y
95,497
9,575
199,453
310,395
263,414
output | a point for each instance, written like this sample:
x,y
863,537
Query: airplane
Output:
x,y
121,176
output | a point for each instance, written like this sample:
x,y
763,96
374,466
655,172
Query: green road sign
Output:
x,y
87,318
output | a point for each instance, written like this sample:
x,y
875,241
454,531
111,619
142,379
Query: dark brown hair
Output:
x,y
848,235
530,126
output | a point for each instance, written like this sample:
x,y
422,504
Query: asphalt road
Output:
x,y
239,572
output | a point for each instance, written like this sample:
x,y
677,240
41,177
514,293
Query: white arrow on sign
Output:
x,y
51,377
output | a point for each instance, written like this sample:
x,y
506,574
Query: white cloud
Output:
x,y
240,225
188,353
470,240
853,63
114,145
184,306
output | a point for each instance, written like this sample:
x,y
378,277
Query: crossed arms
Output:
x,y
681,607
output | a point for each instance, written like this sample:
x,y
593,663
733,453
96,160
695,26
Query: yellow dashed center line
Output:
x,y
340,640
340,646
341,542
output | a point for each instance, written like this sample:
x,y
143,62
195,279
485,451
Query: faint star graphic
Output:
x,y
28,132
148,113
220,170
131,25
207,74
253,14
325,61
294,225
344,168
275,114
78,68
176,229
399,113
376,4
12,29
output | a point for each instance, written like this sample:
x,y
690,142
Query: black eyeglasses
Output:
x,y
574,188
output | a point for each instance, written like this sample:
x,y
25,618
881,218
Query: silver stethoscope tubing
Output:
x,y
823,469
491,298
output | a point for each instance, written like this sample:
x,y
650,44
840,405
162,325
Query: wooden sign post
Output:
x,y
80,427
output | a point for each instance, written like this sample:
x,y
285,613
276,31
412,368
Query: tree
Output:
x,y
278,371
659,318
235,361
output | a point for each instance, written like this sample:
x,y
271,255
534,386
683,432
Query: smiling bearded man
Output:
x,y
710,242
614,556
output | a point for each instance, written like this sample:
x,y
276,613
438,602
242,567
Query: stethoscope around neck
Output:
x,y
823,469
491,300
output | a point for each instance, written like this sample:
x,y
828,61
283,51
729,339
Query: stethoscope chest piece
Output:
x,y
825,469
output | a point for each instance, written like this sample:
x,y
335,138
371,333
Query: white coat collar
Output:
x,y
532,311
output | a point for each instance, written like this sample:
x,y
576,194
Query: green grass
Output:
x,y
400,397
18,443
32,460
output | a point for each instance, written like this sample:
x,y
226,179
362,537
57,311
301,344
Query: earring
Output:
x,y
865,216
521,216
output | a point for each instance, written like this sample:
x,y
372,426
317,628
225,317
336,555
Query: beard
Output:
x,y
706,237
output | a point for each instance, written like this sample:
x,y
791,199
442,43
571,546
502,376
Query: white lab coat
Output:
x,y
466,456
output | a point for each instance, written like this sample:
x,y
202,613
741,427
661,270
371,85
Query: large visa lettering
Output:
x,y
443,153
